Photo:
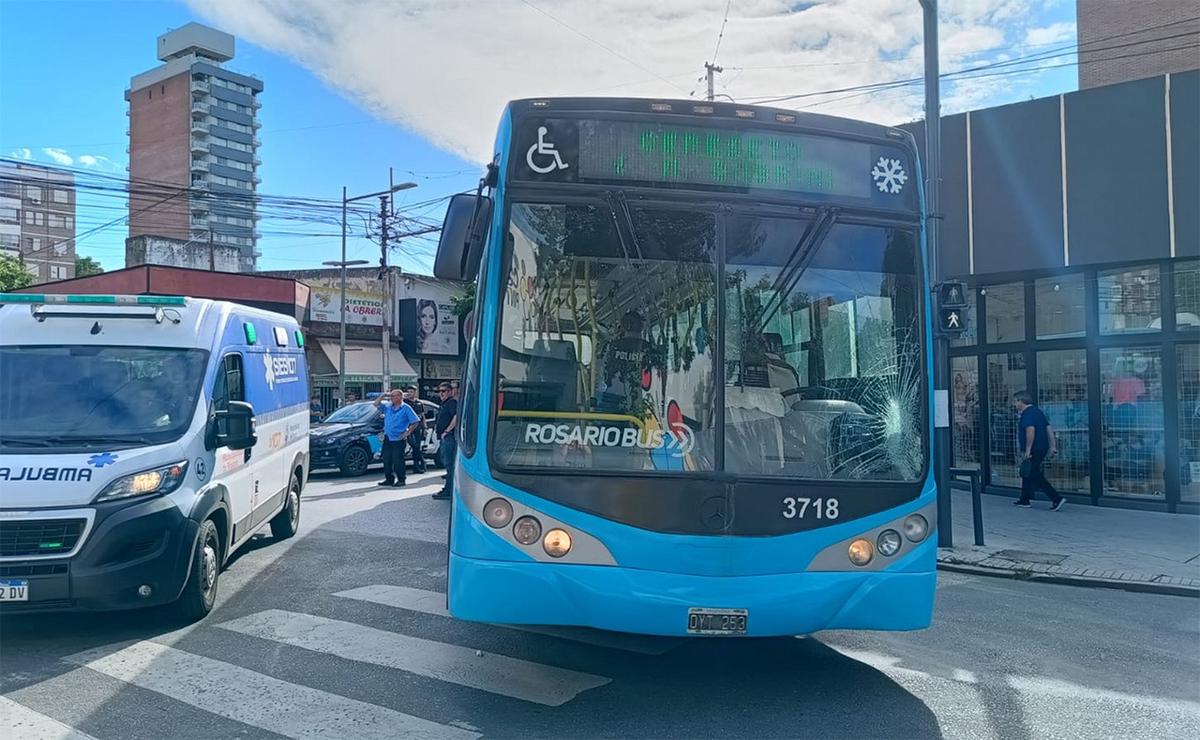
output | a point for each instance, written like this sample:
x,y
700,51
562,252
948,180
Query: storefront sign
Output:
x,y
362,308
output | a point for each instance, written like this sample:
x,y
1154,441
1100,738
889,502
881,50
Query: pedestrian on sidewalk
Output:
x,y
1037,442
444,426
399,421
416,441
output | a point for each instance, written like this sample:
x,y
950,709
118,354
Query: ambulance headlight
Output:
x,y
156,481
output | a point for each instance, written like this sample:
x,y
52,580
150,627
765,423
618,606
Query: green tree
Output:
x,y
87,266
461,305
13,274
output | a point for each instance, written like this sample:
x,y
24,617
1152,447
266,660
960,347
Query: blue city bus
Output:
x,y
696,394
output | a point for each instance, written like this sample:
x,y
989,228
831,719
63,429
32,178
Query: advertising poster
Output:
x,y
362,308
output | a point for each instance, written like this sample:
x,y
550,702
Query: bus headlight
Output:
x,y
861,552
497,513
557,543
527,530
888,542
915,528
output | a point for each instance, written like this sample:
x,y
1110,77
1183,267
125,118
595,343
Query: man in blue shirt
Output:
x,y
1036,441
399,421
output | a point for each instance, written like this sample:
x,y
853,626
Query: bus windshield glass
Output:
x,y
612,343
70,395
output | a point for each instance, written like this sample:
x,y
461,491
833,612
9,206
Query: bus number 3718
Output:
x,y
821,508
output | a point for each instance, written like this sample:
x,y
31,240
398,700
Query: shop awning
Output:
x,y
364,362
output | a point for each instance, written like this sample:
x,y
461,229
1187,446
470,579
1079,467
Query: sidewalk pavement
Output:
x,y
1080,544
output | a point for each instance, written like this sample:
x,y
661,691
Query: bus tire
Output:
x,y
286,523
200,592
355,461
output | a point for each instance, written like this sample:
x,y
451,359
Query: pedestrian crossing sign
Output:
x,y
952,321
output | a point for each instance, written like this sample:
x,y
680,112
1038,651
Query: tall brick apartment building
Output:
x,y
1123,40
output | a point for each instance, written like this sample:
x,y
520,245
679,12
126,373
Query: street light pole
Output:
x,y
343,263
933,228
342,330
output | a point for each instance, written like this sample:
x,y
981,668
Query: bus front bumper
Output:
x,y
657,603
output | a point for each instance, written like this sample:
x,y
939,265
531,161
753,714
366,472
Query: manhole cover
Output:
x,y
1024,556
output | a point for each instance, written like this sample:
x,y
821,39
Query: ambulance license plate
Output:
x,y
14,589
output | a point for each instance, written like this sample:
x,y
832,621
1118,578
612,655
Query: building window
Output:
x,y
965,371
1005,376
1063,396
33,243
56,221
1187,356
969,336
1129,300
1187,294
10,241
34,269
35,218
1005,306
33,193
8,214
1132,421
60,248
60,196
1059,307
58,272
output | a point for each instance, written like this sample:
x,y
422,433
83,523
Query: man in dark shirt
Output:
x,y
416,441
444,426
1036,442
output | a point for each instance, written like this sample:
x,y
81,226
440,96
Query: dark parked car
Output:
x,y
349,440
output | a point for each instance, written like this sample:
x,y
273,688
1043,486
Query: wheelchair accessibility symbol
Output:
x,y
544,149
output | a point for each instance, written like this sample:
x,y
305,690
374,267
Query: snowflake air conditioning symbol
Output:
x,y
889,175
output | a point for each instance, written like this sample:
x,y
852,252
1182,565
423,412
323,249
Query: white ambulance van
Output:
x,y
143,439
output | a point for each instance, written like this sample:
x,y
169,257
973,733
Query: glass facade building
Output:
x,y
1073,219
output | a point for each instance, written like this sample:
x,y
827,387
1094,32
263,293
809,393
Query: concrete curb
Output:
x,y
1148,587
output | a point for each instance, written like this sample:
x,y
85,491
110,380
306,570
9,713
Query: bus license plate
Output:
x,y
703,621
14,590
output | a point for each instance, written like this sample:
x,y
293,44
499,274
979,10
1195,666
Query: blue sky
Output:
x,y
351,89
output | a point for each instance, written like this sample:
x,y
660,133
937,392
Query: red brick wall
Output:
x,y
160,152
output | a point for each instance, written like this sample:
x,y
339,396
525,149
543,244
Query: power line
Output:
x,y
1062,51
610,50
721,34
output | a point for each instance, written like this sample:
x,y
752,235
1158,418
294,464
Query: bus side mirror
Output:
x,y
463,234
235,426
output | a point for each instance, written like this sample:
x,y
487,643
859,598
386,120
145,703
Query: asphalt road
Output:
x,y
340,632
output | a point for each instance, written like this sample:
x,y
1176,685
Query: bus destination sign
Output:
x,y
661,153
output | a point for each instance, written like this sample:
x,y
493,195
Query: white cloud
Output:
x,y
22,154
445,69
96,160
1055,33
60,156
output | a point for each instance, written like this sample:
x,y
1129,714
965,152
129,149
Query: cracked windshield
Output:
x,y
610,338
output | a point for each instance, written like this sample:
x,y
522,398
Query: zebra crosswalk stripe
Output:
x,y
497,674
19,722
433,602
256,699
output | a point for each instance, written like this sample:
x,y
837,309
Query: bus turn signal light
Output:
x,y
527,530
861,552
557,543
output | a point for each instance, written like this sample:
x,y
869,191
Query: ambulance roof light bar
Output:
x,y
52,299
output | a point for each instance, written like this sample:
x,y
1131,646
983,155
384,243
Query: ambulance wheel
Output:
x,y
287,522
200,593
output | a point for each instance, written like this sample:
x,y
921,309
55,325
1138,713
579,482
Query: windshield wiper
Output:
x,y
96,440
802,256
25,441
619,207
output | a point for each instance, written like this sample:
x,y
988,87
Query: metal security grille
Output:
x,y
1131,403
1006,376
27,537
1063,396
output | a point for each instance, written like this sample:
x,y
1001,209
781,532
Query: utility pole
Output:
x,y
933,229
709,71
212,252
342,312
383,287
